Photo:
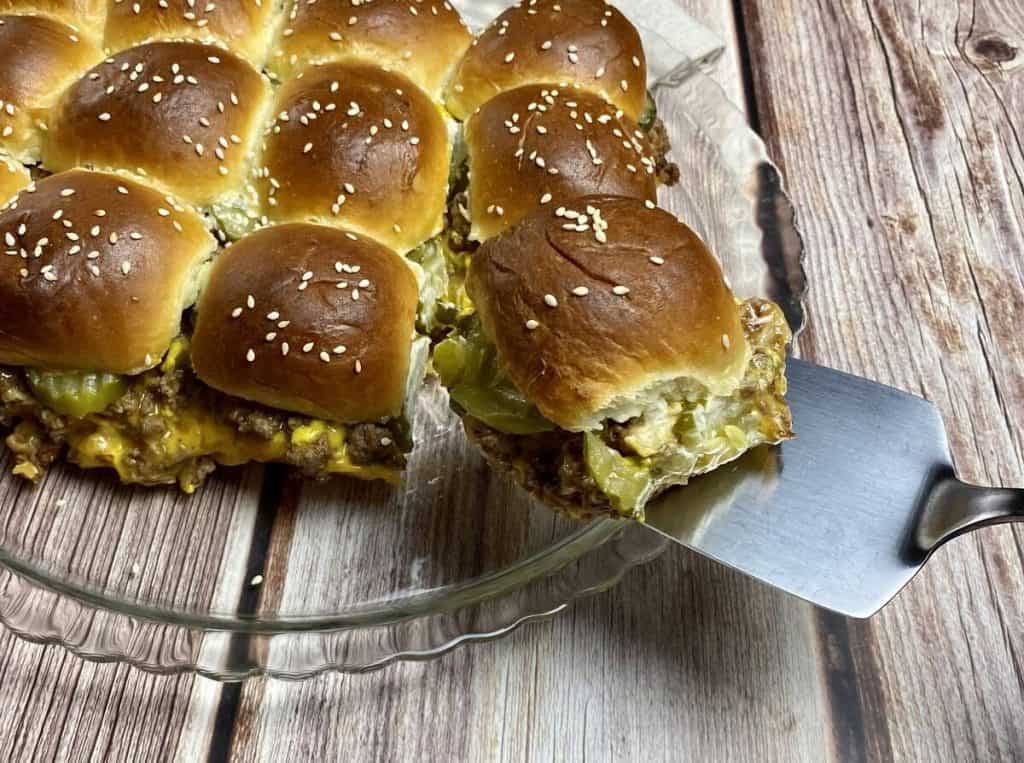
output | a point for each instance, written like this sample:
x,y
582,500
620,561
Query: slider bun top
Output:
x,y
587,321
540,145
39,57
309,319
422,40
95,273
359,147
244,26
186,115
85,17
586,43
13,177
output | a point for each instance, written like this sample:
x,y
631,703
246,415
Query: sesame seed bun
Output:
x,y
13,177
95,273
541,146
276,326
185,115
422,40
85,17
355,146
585,321
244,26
586,43
39,57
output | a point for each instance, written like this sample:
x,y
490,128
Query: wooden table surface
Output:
x,y
896,126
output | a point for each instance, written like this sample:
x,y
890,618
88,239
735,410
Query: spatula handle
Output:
x,y
955,508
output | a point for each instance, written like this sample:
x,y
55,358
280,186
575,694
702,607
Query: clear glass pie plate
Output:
x,y
262,573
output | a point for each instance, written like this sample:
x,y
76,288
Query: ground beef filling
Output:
x,y
666,170
550,466
40,436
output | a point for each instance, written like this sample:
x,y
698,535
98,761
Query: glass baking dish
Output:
x,y
261,573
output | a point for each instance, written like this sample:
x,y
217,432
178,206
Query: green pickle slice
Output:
x,y
76,393
624,480
468,366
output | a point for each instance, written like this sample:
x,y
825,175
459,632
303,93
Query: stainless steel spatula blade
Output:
x,y
844,515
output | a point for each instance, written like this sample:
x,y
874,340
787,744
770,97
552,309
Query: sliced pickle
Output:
x,y
468,366
76,393
650,113
626,481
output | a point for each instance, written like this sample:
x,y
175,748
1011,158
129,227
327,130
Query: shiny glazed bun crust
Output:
x,y
422,39
586,311
244,26
186,115
86,17
586,43
541,146
39,57
95,274
309,319
355,146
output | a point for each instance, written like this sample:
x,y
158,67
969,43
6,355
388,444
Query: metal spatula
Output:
x,y
848,512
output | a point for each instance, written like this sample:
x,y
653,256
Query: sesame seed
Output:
x,y
104,117
532,325
726,341
285,348
256,581
581,291
385,441
236,313
359,367
657,260
551,300
325,357
250,302
620,291
509,58
307,347
126,267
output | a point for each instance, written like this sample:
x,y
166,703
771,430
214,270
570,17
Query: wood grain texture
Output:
x,y
897,128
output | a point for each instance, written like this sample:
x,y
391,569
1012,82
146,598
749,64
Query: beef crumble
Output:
x,y
143,413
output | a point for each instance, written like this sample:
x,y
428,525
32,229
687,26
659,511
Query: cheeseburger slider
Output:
x,y
585,43
39,57
609,360
303,349
540,146
356,146
186,116
243,26
422,39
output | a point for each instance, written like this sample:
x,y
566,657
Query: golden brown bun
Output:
x,y
423,40
206,116
13,177
369,139
94,277
39,57
324,350
586,43
244,26
86,17
592,351
538,145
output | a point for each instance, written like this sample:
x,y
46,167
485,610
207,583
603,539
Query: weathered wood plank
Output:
x,y
897,126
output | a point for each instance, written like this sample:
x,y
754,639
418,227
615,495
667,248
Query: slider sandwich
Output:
x,y
422,40
553,95
302,348
39,57
185,117
608,359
